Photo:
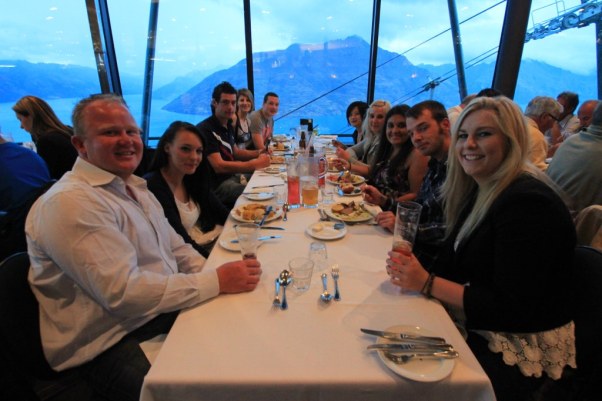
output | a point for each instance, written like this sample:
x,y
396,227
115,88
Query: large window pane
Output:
x,y
194,40
198,46
569,57
46,52
315,54
418,49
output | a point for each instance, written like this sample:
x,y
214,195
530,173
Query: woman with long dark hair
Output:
x,y
398,168
178,179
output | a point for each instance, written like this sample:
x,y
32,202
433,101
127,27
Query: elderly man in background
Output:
x,y
541,113
577,165
108,270
586,112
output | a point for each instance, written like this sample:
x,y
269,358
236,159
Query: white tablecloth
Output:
x,y
239,347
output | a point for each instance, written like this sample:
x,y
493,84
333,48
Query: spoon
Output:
x,y
285,209
276,301
284,279
325,296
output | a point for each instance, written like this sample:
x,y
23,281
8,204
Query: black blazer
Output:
x,y
517,261
212,210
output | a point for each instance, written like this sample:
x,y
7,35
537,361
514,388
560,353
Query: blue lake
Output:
x,y
160,119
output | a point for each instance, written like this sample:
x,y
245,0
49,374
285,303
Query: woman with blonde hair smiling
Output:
x,y
245,104
504,269
51,137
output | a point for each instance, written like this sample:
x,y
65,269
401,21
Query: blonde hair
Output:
x,y
248,94
459,188
43,118
385,105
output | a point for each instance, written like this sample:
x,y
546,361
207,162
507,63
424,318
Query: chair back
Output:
x,y
587,307
20,328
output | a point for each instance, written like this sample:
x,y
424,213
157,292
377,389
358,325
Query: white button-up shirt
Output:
x,y
104,263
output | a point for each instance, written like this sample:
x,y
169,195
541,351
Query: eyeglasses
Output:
x,y
553,117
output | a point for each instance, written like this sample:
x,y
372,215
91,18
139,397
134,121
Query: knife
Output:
x,y
258,193
265,237
265,215
398,347
267,227
267,186
405,337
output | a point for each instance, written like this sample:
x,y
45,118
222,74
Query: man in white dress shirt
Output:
x,y
108,270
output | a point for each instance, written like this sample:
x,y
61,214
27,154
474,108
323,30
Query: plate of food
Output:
x,y
252,212
325,230
332,165
280,138
272,170
280,146
348,190
423,370
345,178
259,195
275,159
225,241
352,212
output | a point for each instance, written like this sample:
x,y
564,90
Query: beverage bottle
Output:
x,y
302,143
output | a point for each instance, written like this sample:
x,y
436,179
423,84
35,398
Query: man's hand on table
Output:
x,y
239,276
262,161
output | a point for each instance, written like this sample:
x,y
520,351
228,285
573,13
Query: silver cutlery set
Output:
x,y
285,278
406,347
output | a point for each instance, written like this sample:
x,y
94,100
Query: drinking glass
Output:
x,y
302,270
327,195
247,239
292,179
280,193
406,226
309,191
318,255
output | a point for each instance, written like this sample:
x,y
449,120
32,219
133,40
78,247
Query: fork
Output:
x,y
335,276
405,358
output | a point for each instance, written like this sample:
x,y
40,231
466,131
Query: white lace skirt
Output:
x,y
535,353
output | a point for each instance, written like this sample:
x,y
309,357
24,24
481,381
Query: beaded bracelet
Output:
x,y
428,286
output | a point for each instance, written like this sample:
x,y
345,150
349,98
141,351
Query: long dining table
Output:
x,y
241,347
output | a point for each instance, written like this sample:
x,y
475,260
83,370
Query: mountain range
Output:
x,y
326,77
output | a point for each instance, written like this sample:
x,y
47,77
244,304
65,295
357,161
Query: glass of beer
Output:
x,y
309,191
247,239
406,226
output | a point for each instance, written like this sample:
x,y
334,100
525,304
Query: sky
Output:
x,y
207,35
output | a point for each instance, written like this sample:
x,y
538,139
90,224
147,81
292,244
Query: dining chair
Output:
x,y
587,315
26,375
583,383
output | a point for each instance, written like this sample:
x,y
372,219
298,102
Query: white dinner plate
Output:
x,y
272,170
280,138
422,370
333,178
258,195
325,230
277,148
236,216
225,241
275,159
356,191
363,216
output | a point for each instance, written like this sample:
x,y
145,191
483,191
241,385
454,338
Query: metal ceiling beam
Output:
x,y
510,51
